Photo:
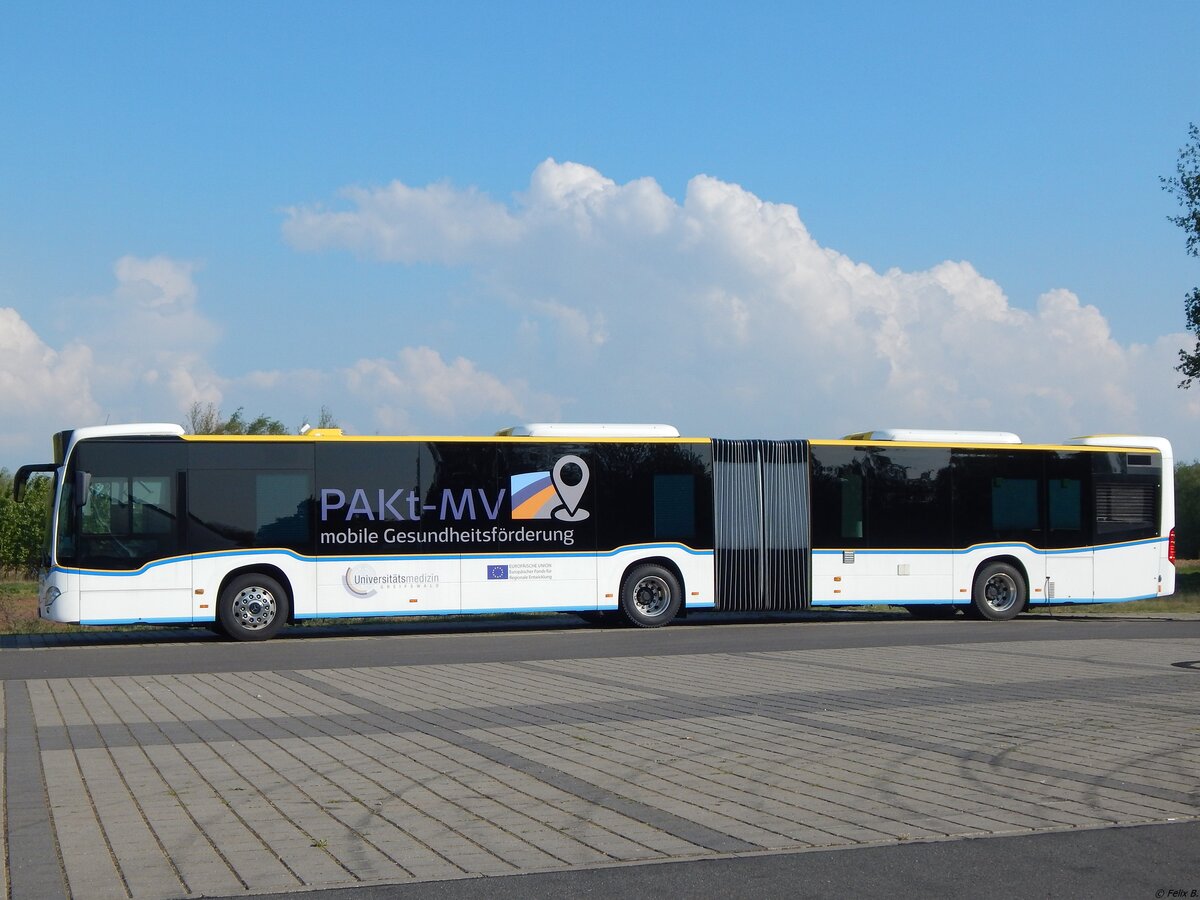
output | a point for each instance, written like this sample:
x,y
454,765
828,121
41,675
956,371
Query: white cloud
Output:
x,y
402,224
419,385
592,300
723,313
150,354
157,283
151,342
40,385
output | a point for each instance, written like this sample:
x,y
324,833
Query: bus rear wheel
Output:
x,y
253,607
650,596
999,592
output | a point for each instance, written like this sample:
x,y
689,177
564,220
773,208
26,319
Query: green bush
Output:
x,y
1187,510
22,525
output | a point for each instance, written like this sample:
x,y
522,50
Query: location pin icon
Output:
x,y
570,494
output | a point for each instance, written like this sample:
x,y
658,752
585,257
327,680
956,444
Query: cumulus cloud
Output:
x,y
723,312
587,299
150,354
151,340
39,383
420,385
403,224
158,283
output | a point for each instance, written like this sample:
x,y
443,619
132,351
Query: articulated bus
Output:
x,y
148,524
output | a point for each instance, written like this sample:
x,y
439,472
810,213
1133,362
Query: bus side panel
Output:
x,y
866,577
388,585
695,566
967,564
159,593
1128,571
528,583
1166,570
210,570
1070,577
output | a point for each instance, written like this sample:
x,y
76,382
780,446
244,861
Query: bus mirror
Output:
x,y
21,479
83,483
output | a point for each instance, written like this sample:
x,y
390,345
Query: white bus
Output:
x,y
151,525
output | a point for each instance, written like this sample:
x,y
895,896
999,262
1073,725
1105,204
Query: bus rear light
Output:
x,y
1171,547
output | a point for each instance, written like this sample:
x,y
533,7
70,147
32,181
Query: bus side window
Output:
x,y
853,504
1066,504
1014,505
674,507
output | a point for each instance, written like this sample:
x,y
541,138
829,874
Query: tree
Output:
x,y
1187,510
326,419
22,525
205,418
1185,187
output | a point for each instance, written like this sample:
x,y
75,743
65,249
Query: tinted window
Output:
x,y
130,511
232,508
652,492
256,494
1127,496
880,497
1068,481
839,499
997,497
674,507
908,497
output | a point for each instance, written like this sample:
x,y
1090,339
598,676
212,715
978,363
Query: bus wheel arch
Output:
x,y
1000,589
651,592
254,603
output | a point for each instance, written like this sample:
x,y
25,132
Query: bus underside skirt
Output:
x,y
761,524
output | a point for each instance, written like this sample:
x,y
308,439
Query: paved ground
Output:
x,y
164,786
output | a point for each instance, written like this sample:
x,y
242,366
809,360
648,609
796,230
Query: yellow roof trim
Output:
x,y
315,436
1069,448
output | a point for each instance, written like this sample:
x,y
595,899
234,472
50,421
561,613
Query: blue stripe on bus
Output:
x,y
1019,545
487,611
958,601
156,620
384,556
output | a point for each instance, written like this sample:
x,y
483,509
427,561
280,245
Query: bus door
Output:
x,y
1127,492
1069,558
128,544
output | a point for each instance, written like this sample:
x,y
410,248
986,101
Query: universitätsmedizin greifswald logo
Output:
x,y
363,581
360,580
551,495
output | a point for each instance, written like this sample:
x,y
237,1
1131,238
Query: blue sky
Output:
x,y
777,219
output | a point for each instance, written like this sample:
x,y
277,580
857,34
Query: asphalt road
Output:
x,y
1150,861
468,639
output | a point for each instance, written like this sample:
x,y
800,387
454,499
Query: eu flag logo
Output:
x,y
497,573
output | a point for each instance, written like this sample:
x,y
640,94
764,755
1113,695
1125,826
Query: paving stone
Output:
x,y
167,786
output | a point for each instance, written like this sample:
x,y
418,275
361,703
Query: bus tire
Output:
x,y
650,596
999,592
253,607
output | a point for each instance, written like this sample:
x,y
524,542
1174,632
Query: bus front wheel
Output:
x,y
999,592
650,596
253,607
